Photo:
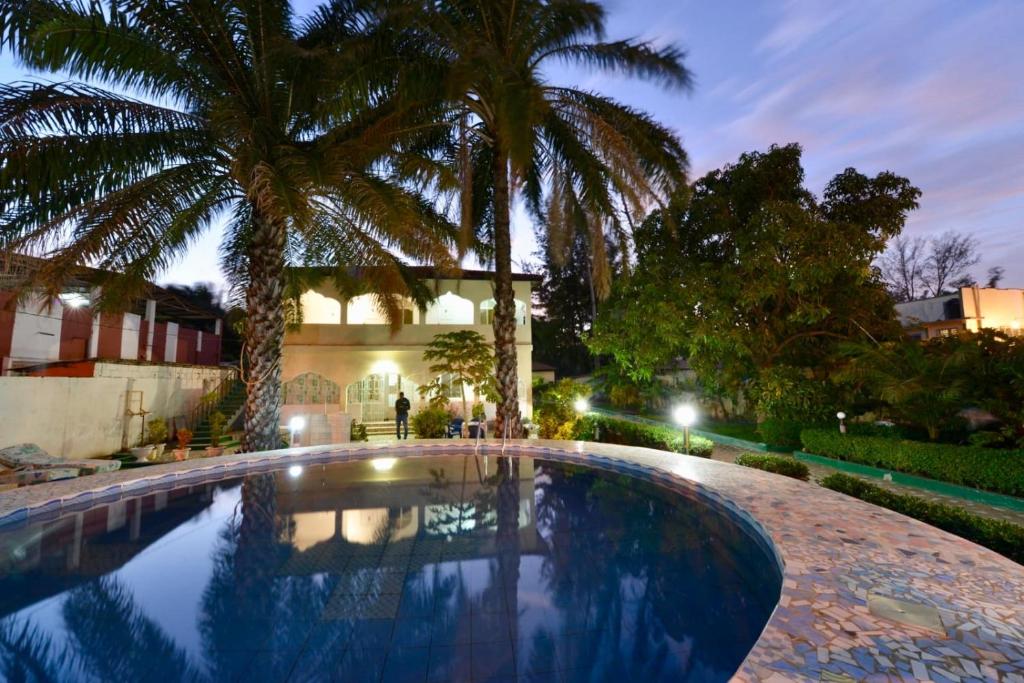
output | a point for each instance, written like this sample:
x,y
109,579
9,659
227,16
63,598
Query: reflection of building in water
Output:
x,y
41,560
360,504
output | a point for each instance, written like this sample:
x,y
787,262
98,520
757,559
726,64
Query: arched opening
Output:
x,y
372,399
487,312
450,309
365,310
318,309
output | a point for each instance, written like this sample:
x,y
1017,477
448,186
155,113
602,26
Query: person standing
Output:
x,y
402,407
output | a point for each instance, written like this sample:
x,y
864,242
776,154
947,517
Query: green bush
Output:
x,y
431,423
1003,537
555,410
782,433
777,464
613,430
983,468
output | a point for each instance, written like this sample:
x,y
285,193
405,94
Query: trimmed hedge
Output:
x,y
1001,471
614,430
1003,537
777,464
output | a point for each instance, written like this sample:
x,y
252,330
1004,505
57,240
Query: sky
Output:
x,y
929,89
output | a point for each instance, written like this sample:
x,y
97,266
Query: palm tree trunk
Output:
x,y
264,332
506,361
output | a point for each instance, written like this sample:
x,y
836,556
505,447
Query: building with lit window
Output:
x,y
345,358
969,308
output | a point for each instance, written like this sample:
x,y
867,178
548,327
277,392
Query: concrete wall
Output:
x,y
993,308
82,417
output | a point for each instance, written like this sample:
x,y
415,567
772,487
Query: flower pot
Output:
x,y
181,453
142,453
474,429
214,451
158,451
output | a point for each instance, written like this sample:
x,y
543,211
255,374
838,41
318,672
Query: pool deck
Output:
x,y
868,594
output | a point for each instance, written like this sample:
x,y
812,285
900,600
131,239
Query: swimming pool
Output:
x,y
447,568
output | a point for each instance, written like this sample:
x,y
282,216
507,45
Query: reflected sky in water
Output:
x,y
425,569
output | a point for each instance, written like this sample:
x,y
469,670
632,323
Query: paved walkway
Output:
x,y
819,472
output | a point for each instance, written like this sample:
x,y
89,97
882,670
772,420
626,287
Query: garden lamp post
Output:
x,y
686,415
295,425
842,425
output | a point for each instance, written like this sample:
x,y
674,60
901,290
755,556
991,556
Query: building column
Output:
x,y
150,327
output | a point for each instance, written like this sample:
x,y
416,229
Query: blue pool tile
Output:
x,y
412,632
406,665
492,660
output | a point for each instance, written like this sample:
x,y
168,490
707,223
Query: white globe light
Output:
x,y
383,464
297,423
685,415
295,471
841,415
581,405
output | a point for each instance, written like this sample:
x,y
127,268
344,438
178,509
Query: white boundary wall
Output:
x,y
83,417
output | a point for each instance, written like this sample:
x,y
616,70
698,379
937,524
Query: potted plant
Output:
x,y
142,453
184,437
476,424
217,421
157,433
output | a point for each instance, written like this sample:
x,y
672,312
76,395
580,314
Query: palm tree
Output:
x,y
581,160
292,130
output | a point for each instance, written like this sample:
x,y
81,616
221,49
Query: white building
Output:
x,y
970,308
345,358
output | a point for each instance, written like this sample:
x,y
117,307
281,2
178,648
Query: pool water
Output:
x,y
446,568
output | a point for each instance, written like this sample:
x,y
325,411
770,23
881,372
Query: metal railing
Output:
x,y
210,400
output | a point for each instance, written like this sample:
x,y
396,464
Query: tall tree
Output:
x,y
752,272
568,299
916,268
290,128
579,158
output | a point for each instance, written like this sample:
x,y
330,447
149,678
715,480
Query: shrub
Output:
x,y
1003,537
555,412
783,433
217,422
156,431
431,423
613,430
777,464
983,468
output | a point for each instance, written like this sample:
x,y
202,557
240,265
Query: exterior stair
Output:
x,y
231,406
384,430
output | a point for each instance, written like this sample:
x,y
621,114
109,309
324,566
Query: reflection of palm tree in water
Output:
x,y
27,654
114,641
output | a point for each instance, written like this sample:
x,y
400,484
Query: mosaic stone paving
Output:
x,y
868,595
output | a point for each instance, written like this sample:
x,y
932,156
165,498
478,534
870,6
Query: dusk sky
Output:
x,y
930,90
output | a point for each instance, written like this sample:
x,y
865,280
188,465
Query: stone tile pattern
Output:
x,y
833,550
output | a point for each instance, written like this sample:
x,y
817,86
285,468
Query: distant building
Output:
x,y
969,308
544,372
161,327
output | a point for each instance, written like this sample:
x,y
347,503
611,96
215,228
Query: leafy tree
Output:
x,y
293,130
751,271
918,268
592,155
465,359
569,302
